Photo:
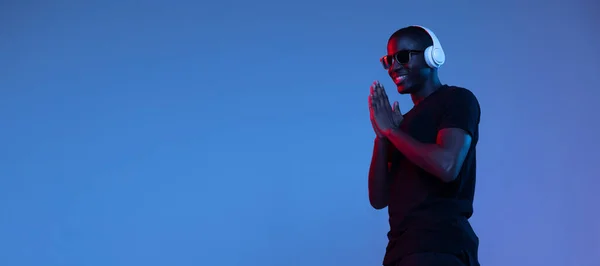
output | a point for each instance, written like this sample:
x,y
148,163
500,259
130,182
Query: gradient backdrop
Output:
x,y
237,133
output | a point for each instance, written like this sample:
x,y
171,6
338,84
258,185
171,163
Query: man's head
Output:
x,y
406,61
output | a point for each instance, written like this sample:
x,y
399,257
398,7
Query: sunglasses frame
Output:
x,y
384,59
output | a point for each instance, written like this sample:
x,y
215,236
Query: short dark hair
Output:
x,y
416,33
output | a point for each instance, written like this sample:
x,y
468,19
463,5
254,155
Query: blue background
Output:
x,y
237,132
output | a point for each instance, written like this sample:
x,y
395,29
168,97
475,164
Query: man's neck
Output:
x,y
428,88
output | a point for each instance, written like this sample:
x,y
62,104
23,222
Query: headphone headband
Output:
x,y
434,55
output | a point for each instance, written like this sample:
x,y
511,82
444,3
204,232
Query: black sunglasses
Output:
x,y
402,57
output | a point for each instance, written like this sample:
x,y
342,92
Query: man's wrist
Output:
x,y
388,132
394,131
382,140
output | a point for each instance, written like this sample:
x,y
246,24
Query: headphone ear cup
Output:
x,y
438,57
428,55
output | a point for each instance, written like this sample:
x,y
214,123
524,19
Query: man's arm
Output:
x,y
379,188
445,158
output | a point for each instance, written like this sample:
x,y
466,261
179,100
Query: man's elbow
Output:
x,y
377,204
449,174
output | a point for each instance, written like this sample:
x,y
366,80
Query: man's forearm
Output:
x,y
378,175
430,157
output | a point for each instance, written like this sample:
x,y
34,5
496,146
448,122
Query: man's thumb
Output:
x,y
396,107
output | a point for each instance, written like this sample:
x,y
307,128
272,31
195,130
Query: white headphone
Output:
x,y
434,55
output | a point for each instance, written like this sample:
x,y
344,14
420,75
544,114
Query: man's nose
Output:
x,y
397,65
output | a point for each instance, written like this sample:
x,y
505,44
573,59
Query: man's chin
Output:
x,y
403,89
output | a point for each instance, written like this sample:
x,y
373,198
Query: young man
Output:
x,y
423,165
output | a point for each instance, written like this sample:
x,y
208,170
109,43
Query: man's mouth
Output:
x,y
399,79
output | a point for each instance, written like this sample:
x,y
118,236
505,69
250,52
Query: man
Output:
x,y
423,165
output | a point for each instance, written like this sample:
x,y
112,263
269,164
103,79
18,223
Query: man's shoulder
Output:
x,y
459,95
459,91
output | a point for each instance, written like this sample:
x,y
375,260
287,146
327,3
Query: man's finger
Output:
x,y
383,100
372,103
380,94
385,97
373,94
396,107
383,93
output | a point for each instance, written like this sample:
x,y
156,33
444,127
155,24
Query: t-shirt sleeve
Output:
x,y
462,111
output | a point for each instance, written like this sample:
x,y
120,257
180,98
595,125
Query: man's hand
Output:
x,y
372,113
385,117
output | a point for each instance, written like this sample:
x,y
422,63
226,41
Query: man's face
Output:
x,y
408,68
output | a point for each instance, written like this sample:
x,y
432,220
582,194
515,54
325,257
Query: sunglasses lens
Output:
x,y
402,57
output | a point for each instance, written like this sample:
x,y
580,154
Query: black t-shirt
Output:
x,y
425,213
